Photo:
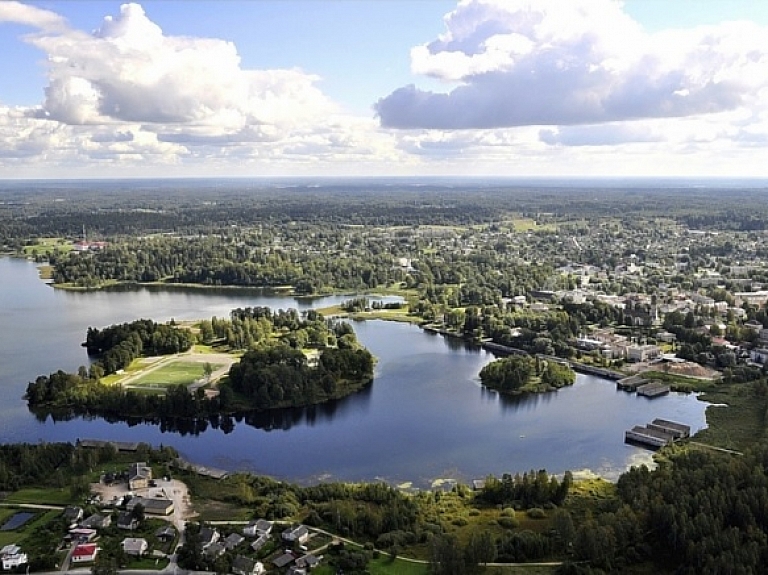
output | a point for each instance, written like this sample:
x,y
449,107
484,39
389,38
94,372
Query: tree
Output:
x,y
104,565
446,557
207,371
480,549
138,512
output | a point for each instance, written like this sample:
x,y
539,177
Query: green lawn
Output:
x,y
41,496
43,245
175,373
383,566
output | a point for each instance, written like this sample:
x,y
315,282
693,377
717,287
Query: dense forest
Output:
x,y
520,373
280,375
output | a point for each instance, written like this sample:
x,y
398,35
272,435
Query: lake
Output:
x,y
424,417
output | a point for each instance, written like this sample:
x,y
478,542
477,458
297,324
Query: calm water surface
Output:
x,y
424,417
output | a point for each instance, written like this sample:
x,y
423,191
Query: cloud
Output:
x,y
130,71
599,135
558,62
18,13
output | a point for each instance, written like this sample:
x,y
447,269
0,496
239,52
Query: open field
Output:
x,y
41,496
174,373
529,225
42,245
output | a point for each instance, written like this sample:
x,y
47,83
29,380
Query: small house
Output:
x,y
298,533
208,537
246,566
258,527
215,550
12,556
135,546
260,542
73,514
126,520
283,560
166,533
84,553
233,540
97,521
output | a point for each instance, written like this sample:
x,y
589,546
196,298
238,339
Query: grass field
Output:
x,y
42,496
43,245
384,566
175,373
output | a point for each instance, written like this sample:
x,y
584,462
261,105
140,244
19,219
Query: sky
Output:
x,y
520,88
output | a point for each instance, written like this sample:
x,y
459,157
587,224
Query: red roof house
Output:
x,y
84,553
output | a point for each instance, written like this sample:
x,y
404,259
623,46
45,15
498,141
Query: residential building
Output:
x,y
166,533
126,520
208,537
12,556
73,514
258,527
233,540
246,566
260,542
97,521
298,533
139,476
84,553
135,546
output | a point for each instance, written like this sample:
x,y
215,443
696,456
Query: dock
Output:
x,y
631,383
658,433
678,430
653,389
127,446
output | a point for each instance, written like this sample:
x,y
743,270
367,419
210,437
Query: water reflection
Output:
x,y
271,420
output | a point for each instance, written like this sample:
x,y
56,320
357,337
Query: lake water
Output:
x,y
424,417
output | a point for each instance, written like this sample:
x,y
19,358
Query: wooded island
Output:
x,y
285,361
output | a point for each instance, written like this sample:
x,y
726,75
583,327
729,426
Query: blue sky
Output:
x,y
408,87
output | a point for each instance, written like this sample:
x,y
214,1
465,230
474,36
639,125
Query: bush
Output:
x,y
536,513
460,522
508,522
508,512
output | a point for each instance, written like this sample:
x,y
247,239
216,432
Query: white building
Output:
x,y
642,352
12,556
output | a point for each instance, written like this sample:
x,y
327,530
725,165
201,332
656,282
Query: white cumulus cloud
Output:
x,y
128,70
569,62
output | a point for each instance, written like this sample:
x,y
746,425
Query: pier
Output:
x,y
642,386
631,383
653,389
658,433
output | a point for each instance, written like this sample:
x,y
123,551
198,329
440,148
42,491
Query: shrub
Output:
x,y
536,513
508,522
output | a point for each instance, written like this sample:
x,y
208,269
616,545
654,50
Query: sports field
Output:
x,y
174,373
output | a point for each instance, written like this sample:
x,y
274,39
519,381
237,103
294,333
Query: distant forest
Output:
x,y
107,209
